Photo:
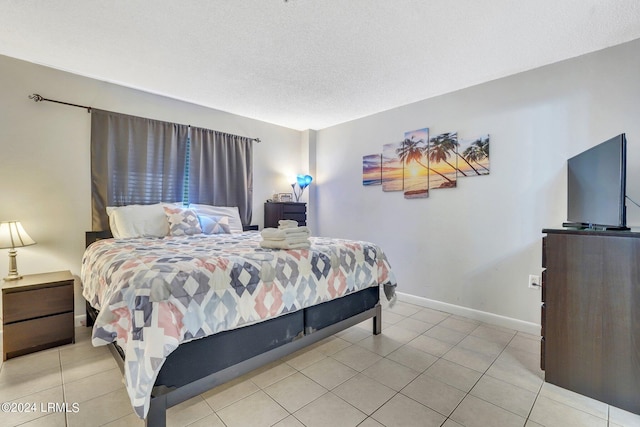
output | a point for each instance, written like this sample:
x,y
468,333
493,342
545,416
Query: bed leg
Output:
x,y
89,320
377,320
157,415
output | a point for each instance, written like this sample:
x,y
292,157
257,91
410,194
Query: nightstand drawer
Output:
x,y
28,304
300,218
298,208
275,211
37,334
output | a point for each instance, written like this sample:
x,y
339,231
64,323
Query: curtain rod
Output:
x,y
38,98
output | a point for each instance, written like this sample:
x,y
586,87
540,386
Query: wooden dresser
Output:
x,y
37,313
591,314
275,211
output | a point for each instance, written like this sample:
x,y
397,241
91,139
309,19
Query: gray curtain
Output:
x,y
221,171
134,160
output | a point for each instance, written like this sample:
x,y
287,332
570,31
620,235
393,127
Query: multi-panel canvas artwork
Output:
x,y
392,167
474,156
420,163
443,153
414,154
372,169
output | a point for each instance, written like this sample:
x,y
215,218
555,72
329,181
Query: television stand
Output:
x,y
591,313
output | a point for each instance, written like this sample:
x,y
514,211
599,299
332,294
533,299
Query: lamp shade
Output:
x,y
304,180
13,235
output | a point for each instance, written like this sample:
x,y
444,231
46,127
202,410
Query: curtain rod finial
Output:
x,y
36,97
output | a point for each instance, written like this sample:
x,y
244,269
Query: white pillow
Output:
x,y
235,224
138,221
112,221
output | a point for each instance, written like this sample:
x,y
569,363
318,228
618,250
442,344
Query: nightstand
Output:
x,y
37,313
275,211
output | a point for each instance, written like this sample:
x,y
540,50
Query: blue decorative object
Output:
x,y
303,182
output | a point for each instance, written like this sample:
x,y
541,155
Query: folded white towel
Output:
x,y
293,240
287,227
287,223
282,244
303,229
278,234
272,234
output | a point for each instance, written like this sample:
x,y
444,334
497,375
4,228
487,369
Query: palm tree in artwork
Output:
x,y
413,150
442,146
477,151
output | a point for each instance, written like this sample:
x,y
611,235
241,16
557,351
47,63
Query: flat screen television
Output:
x,y
597,186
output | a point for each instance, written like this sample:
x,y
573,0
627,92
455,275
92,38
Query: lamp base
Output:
x,y
13,266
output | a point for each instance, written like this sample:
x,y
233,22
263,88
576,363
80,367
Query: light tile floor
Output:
x,y
427,368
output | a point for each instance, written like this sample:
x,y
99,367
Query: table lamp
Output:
x,y
303,182
12,236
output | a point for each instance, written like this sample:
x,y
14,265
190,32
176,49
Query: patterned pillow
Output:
x,y
182,222
214,224
235,224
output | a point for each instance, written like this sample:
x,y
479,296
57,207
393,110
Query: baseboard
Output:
x,y
494,319
80,320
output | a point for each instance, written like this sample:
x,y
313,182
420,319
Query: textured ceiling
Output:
x,y
308,64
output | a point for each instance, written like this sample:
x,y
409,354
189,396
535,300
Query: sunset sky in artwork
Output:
x,y
416,171
413,168
392,173
372,169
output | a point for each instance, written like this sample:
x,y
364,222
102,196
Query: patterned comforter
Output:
x,y
154,294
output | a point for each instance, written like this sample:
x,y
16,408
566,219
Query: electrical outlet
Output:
x,y
534,281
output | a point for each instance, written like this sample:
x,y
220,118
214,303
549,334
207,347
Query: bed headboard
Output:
x,y
94,236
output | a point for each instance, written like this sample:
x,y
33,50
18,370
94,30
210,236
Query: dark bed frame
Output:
x,y
191,369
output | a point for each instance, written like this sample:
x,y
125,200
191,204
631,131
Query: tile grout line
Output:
x,y
64,396
534,402
447,417
477,381
359,372
483,373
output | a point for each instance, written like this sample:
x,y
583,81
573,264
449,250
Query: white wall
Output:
x,y
45,158
474,246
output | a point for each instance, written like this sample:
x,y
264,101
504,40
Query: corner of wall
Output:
x,y
308,161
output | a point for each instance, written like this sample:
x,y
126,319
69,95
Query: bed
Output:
x,y
183,314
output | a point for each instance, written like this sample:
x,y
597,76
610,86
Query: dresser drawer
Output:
x,y
32,303
298,208
32,335
300,218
